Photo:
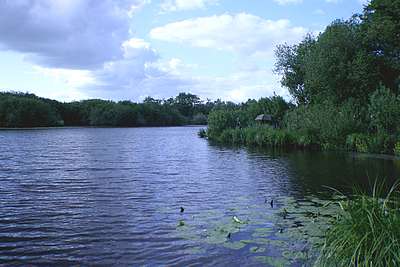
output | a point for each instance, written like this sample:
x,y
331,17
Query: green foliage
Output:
x,y
346,82
332,66
290,64
199,119
324,124
28,110
275,106
358,142
384,110
263,136
22,110
381,26
377,143
396,149
220,120
366,232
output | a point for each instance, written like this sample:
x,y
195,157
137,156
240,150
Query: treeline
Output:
x,y
28,110
345,84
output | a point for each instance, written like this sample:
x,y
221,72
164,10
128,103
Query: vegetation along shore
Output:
x,y
345,84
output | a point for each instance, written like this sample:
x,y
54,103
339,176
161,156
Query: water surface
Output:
x,y
112,196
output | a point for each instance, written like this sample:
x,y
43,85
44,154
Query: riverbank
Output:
x,y
93,127
267,136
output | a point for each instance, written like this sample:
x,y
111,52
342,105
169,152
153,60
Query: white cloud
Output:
x,y
173,66
73,78
178,5
78,34
319,12
242,33
239,86
286,2
87,47
138,74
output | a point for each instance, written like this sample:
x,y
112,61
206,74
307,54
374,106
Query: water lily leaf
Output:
x,y
237,220
257,249
273,261
234,245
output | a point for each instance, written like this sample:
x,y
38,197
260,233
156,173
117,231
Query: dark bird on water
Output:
x,y
182,209
229,235
272,203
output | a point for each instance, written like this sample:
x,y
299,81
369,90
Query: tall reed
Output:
x,y
366,232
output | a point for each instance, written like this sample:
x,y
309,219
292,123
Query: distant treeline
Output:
x,y
345,84
28,110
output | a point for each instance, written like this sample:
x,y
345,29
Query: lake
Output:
x,y
113,196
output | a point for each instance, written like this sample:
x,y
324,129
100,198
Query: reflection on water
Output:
x,y
113,196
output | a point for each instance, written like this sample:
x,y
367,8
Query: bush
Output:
x,y
378,143
358,142
323,124
199,119
384,110
396,149
221,120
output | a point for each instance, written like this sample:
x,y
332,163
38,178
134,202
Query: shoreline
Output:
x,y
94,127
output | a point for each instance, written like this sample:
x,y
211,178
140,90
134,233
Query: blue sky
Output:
x,y
130,49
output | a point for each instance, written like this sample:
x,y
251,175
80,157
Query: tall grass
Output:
x,y
367,232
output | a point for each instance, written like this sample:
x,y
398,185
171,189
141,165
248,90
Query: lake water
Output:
x,y
112,196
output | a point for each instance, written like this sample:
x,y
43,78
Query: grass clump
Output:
x,y
366,232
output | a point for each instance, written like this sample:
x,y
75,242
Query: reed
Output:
x,y
366,232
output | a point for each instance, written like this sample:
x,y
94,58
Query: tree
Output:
x,y
384,110
291,65
186,103
381,28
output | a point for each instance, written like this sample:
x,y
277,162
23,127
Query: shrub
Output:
x,y
323,124
221,120
199,119
384,110
396,149
358,142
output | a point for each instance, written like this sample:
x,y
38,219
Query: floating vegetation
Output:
x,y
195,250
257,249
237,220
235,245
273,261
291,233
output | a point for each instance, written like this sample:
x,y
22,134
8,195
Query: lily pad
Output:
x,y
257,249
273,261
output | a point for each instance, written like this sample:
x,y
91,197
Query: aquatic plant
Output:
x,y
366,232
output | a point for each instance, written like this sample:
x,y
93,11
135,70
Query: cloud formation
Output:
x,y
137,75
90,47
241,33
86,44
179,5
76,34
286,2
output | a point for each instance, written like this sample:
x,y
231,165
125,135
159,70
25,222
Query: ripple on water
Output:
x,y
109,196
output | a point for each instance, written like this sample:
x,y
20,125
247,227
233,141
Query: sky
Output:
x,y
130,49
